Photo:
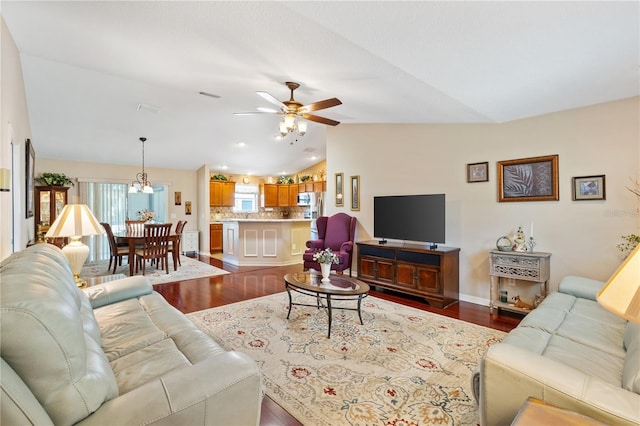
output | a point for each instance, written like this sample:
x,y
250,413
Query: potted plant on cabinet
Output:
x,y
54,179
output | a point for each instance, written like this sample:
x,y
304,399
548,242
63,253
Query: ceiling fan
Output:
x,y
292,108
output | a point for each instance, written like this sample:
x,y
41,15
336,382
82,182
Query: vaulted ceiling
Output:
x,y
88,66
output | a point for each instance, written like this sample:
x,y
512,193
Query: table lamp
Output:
x,y
621,294
75,221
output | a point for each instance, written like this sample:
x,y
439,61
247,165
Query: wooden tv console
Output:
x,y
411,268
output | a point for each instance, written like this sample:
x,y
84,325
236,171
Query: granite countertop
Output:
x,y
239,219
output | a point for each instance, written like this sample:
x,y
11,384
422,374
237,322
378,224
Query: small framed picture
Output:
x,y
586,188
177,198
478,172
187,207
355,193
339,190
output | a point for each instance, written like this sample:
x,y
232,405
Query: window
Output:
x,y
246,199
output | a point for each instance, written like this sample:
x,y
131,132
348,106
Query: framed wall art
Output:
x,y
187,207
339,189
528,179
30,161
177,198
587,188
355,193
478,172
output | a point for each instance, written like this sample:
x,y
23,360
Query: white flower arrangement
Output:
x,y
326,256
146,214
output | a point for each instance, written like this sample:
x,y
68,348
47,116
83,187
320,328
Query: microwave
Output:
x,y
304,199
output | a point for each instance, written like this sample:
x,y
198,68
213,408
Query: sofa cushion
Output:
x,y
146,338
631,371
587,359
39,300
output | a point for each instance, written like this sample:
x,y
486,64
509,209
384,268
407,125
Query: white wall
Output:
x,y
432,158
183,181
14,128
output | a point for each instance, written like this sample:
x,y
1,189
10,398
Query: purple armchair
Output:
x,y
335,232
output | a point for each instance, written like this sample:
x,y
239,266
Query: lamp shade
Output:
x,y
621,294
73,221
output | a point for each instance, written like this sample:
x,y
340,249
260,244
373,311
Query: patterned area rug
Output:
x,y
190,269
403,367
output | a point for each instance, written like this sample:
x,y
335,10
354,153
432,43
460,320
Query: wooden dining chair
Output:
x,y
155,246
116,251
175,246
135,226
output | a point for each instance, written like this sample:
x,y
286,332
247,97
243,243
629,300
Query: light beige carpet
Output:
x,y
404,366
190,269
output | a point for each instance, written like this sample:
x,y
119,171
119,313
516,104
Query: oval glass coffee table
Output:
x,y
339,288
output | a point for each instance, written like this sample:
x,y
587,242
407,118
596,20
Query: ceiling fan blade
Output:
x,y
270,98
256,112
319,119
269,110
327,103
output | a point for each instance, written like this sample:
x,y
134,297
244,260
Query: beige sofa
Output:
x,y
114,354
569,352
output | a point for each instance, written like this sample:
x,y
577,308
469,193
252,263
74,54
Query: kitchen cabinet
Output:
x,y
283,195
293,195
269,195
215,237
279,195
412,269
318,186
222,194
49,201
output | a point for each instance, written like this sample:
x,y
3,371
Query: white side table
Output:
x,y
523,266
189,242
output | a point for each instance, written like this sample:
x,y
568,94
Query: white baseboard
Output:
x,y
473,299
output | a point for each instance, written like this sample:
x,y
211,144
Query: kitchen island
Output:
x,y
264,242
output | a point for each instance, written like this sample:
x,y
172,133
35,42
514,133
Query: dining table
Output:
x,y
133,239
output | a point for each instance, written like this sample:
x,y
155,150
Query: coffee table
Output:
x,y
339,288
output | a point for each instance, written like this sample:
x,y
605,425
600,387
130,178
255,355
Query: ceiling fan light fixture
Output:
x,y
302,127
290,121
283,129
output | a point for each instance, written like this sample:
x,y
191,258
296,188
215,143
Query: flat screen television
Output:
x,y
410,217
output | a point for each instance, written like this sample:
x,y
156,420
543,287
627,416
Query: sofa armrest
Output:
x,y
315,244
118,290
584,288
347,247
510,374
225,389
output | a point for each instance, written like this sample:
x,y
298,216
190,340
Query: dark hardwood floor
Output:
x,y
244,283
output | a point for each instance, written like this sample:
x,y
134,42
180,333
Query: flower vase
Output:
x,y
325,269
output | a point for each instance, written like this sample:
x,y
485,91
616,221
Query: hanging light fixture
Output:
x,y
141,184
289,125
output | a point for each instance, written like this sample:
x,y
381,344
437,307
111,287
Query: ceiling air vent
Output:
x,y
148,108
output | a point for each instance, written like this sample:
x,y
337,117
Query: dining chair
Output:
x,y
175,246
135,226
155,246
116,251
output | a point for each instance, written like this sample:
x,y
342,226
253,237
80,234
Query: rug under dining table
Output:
x,y
190,269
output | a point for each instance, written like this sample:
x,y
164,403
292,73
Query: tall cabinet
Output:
x,y
49,202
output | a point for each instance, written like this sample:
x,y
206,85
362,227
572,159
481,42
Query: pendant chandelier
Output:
x,y
141,184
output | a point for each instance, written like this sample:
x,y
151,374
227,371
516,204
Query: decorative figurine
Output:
x,y
519,241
